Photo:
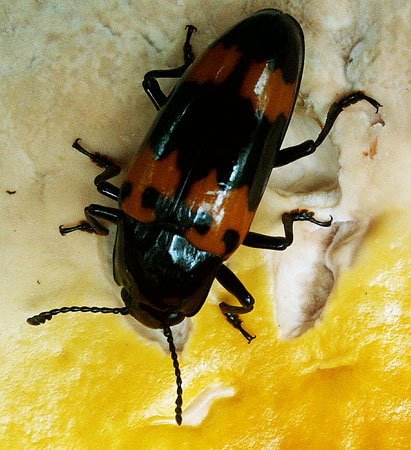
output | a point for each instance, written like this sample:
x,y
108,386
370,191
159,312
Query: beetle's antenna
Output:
x,y
48,315
179,399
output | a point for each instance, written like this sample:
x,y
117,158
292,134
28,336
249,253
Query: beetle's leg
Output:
x,y
48,315
257,240
291,154
92,225
150,84
110,170
104,187
233,285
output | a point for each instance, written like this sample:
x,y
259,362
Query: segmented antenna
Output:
x,y
179,399
48,315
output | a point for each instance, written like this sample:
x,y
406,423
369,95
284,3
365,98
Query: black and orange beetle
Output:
x,y
191,192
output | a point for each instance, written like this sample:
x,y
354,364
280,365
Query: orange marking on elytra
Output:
x,y
146,171
215,65
268,91
228,209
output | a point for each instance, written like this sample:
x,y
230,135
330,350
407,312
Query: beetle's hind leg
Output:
x,y
291,154
233,285
257,240
150,84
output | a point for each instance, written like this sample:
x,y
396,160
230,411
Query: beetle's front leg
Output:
x,y
150,84
291,154
233,285
92,225
257,240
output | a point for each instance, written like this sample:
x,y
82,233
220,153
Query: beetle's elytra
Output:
x,y
191,192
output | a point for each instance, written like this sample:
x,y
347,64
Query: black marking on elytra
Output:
x,y
219,130
149,197
175,216
231,239
270,36
202,222
213,127
202,228
125,191
276,134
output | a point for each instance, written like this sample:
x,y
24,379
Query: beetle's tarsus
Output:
x,y
187,48
355,97
98,158
236,322
257,240
305,214
82,226
92,225
150,83
229,281
191,27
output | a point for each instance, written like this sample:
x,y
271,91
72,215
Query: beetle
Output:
x,y
191,191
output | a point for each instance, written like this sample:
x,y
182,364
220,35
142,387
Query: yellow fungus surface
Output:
x,y
91,382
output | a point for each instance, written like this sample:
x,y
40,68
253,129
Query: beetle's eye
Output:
x,y
175,317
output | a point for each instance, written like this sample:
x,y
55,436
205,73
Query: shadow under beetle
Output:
x,y
191,191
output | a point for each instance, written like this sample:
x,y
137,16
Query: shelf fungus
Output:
x,y
307,271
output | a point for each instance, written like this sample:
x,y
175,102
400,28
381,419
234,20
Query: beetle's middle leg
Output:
x,y
257,240
291,154
92,225
150,84
233,285
111,169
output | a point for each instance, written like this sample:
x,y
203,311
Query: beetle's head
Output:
x,y
141,310
164,277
